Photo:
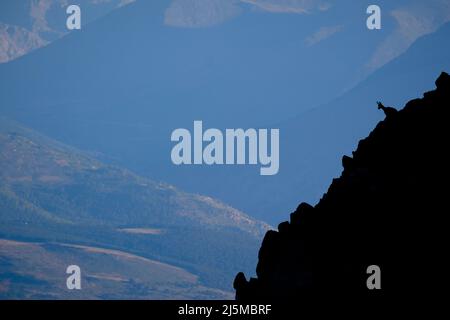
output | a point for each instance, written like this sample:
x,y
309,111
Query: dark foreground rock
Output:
x,y
388,208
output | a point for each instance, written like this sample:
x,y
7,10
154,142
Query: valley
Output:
x,y
53,193
36,270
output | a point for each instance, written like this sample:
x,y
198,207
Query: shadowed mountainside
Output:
x,y
386,209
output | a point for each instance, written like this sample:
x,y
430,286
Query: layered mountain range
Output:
x,y
123,83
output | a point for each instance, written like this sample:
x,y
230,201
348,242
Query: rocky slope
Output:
x,y
387,208
27,25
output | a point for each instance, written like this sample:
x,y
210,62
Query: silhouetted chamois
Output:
x,y
388,111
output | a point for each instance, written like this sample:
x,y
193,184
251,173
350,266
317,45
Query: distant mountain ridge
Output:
x,y
144,88
122,84
252,71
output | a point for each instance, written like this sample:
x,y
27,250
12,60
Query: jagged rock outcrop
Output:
x,y
388,208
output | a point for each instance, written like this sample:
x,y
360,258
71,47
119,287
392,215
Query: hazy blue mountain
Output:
x,y
250,64
50,192
312,143
122,84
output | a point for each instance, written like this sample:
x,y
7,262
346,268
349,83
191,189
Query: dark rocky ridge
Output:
x,y
388,209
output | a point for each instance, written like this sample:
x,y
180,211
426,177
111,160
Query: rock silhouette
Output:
x,y
388,208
